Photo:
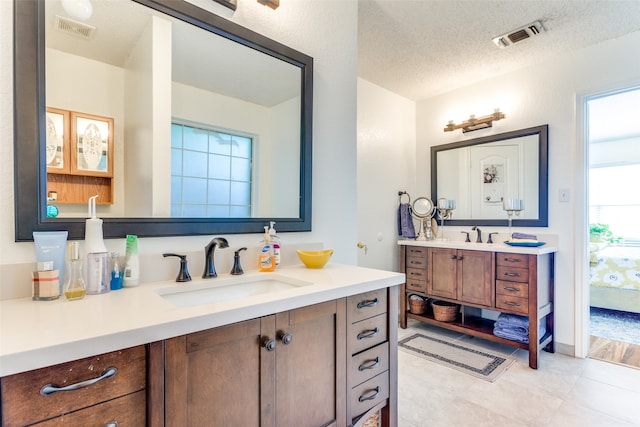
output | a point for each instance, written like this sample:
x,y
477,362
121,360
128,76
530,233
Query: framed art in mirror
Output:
x,y
57,141
92,137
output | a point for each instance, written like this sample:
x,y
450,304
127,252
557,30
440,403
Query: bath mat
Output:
x,y
474,361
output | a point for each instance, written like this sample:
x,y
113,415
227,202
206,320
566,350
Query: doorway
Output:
x,y
613,146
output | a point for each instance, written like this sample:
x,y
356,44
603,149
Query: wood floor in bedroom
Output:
x,y
618,352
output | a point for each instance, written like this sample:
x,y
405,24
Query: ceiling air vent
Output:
x,y
75,28
518,35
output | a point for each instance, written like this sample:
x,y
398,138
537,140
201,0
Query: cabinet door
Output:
x,y
475,277
310,370
212,378
442,275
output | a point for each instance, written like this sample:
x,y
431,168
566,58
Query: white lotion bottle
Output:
x,y
274,240
96,255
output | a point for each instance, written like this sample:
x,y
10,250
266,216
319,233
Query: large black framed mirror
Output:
x,y
290,190
480,173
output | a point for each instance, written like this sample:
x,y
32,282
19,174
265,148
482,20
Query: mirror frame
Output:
x,y
543,176
29,132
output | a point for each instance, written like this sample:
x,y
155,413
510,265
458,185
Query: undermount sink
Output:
x,y
208,291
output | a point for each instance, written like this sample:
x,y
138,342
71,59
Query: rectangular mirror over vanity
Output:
x,y
482,279
234,99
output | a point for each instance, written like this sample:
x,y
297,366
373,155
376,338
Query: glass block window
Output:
x,y
211,172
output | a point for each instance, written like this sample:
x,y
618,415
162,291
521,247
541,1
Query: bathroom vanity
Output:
x,y
321,353
482,279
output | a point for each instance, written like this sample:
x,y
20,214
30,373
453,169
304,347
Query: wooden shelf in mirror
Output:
x,y
78,188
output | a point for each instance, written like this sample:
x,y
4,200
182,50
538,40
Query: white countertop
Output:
x,y
36,334
491,247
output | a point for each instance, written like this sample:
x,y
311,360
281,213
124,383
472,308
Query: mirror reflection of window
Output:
x,y
211,172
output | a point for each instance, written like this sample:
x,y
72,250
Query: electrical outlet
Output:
x,y
564,195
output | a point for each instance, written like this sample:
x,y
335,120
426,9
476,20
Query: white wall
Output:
x,y
386,165
546,93
325,30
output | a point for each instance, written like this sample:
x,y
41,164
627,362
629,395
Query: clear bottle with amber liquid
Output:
x,y
74,286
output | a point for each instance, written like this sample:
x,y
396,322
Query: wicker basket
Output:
x,y
445,311
417,306
373,420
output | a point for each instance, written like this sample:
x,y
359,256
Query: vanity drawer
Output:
x,y
370,363
23,403
416,262
512,288
368,304
368,333
512,274
416,280
417,251
514,304
512,260
128,410
369,394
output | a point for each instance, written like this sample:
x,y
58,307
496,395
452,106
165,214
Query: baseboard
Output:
x,y
566,349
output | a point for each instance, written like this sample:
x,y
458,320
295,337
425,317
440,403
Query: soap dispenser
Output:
x,y
97,257
266,260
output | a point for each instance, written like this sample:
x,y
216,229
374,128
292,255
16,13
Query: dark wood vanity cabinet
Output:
x,y
283,369
329,364
461,275
515,283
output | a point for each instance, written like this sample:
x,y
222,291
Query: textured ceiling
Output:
x,y
422,48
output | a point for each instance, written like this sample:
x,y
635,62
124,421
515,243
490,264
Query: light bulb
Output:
x,y
78,9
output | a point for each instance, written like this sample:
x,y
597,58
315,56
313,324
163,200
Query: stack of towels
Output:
x,y
524,237
514,328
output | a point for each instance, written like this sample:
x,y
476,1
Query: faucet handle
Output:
x,y
183,274
467,240
237,268
490,239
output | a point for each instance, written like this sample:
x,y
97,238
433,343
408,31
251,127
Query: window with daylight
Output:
x,y
211,172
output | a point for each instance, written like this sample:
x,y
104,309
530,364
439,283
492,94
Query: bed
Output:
x,y
614,277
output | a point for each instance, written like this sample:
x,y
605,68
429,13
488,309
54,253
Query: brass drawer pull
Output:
x,y
513,304
368,334
511,289
369,364
368,303
413,273
373,395
50,388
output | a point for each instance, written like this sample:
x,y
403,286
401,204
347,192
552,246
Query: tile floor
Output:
x,y
564,391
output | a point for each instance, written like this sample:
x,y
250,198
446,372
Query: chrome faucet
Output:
x,y
479,238
209,250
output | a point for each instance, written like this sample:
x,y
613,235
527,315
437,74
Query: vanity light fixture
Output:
x,y
474,123
273,4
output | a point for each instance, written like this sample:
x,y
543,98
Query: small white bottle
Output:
x,y
131,274
96,255
274,240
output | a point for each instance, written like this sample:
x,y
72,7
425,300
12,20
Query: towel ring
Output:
x,y
404,193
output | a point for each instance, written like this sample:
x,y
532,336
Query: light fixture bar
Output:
x,y
474,123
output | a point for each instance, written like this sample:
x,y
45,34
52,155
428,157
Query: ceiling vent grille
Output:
x,y
518,35
75,28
